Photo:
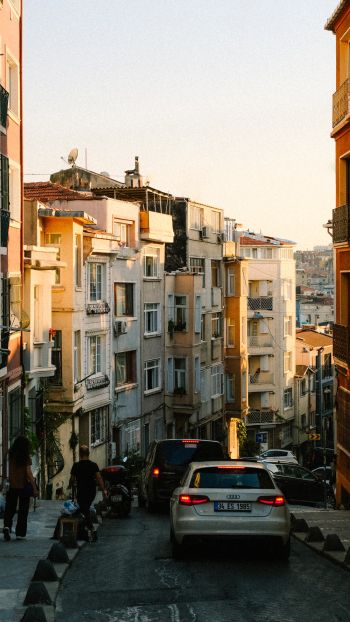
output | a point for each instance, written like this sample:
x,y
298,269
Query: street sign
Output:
x,y
314,437
259,437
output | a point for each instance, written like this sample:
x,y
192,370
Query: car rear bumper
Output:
x,y
208,527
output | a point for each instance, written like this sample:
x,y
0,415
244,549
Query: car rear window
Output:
x,y
231,477
183,452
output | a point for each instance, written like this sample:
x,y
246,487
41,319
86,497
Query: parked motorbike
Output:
x,y
117,484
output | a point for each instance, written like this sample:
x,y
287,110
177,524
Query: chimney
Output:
x,y
137,165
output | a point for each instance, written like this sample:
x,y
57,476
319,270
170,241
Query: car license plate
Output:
x,y
232,506
116,498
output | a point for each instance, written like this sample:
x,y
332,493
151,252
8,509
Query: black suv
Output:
x,y
165,464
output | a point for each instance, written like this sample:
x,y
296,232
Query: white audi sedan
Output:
x,y
231,499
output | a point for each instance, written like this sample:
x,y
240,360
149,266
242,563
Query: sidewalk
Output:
x,y
325,531
19,559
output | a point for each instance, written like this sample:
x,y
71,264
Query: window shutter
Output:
x,y
197,375
198,309
263,288
171,311
170,375
265,400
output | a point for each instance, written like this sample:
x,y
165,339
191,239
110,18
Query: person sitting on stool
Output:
x,y
84,475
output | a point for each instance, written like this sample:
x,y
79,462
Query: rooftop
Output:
x,y
314,338
248,238
330,24
47,192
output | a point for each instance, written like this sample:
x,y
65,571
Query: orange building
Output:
x,y
11,160
339,24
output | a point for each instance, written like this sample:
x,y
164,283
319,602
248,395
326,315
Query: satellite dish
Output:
x,y
73,154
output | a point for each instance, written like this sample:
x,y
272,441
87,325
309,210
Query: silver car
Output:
x,y
230,499
278,455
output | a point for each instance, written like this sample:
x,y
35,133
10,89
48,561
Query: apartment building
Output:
x,y
198,249
11,171
271,337
235,343
339,24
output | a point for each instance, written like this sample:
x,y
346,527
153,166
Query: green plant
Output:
x,y
73,441
28,431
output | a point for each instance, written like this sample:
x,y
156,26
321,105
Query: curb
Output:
x,y
39,604
329,546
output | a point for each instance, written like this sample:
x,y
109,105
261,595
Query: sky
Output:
x,y
228,102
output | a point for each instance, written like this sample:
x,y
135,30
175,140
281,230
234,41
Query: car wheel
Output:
x,y
283,550
177,550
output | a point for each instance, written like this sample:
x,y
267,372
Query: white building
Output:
x,y
271,337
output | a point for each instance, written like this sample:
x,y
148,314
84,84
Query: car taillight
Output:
x,y
272,500
155,472
193,499
192,441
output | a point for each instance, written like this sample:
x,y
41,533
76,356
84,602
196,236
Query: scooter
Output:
x,y
119,493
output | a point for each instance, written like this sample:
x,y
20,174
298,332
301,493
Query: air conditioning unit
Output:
x,y
205,232
120,327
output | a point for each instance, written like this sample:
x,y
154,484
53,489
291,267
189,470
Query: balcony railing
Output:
x,y
258,417
341,343
263,303
260,341
4,98
97,307
261,378
340,103
341,224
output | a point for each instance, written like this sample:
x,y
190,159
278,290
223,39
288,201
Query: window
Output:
x,y
230,388
216,325
76,356
152,375
215,273
244,385
15,301
55,239
287,362
180,312
288,326
125,365
288,398
230,282
197,266
287,288
13,85
123,299
94,355
56,358
230,333
197,374
4,199
151,264
203,327
95,281
15,413
37,330
196,221
303,387
122,231
15,192
217,376
152,318
99,419
197,314
77,260
176,375
216,221
327,365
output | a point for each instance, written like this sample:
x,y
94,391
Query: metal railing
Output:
x,y
257,417
341,224
340,103
94,308
97,383
262,303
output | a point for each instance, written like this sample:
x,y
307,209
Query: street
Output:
x,y
129,576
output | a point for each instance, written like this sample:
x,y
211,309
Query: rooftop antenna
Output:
x,y
73,154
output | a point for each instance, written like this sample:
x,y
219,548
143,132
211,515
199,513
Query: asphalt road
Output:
x,y
129,576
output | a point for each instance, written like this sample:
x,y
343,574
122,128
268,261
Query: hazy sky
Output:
x,y
228,102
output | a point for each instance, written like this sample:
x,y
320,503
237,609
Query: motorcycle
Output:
x,y
118,488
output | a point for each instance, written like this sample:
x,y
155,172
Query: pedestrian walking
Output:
x,y
22,487
84,476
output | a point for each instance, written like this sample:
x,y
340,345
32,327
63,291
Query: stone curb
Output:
x,y
341,558
47,611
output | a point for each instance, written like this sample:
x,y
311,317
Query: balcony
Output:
x,y
4,97
341,225
341,343
260,341
340,103
96,308
260,378
262,303
261,417
156,227
99,382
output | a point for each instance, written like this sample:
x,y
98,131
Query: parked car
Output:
x,y
299,485
165,464
233,500
280,455
322,471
